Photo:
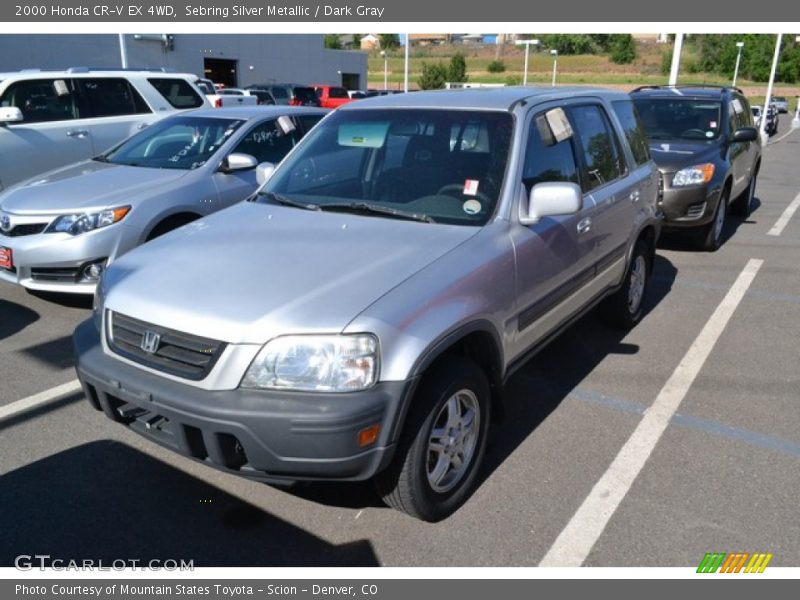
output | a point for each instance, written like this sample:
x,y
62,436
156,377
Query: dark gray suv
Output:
x,y
708,152
359,319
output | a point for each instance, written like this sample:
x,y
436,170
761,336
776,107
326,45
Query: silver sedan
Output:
x,y
60,230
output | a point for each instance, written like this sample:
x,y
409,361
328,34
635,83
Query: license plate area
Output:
x,y
6,258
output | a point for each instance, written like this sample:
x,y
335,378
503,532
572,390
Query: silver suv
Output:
x,y
49,119
359,319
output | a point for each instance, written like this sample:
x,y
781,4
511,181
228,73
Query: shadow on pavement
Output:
x,y
14,318
55,353
106,500
689,240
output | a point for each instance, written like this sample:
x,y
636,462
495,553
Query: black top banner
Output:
x,y
419,11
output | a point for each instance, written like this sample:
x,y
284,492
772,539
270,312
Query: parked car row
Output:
x,y
358,316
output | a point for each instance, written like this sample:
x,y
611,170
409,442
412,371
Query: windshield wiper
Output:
x,y
378,209
288,201
101,158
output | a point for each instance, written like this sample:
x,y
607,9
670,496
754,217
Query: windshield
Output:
x,y
438,165
175,143
679,118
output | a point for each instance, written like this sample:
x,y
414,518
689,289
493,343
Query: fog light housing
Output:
x,y
93,271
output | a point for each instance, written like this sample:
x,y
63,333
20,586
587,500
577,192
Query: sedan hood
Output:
x,y
673,155
84,185
255,271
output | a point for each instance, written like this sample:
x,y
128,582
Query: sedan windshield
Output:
x,y
679,118
443,166
176,143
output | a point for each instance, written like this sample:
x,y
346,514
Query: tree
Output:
x,y
622,49
458,69
568,43
332,41
433,76
389,41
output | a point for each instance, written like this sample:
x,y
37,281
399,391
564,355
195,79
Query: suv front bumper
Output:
x,y
259,434
688,207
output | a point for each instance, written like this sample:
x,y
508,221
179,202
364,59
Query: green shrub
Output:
x,y
458,69
496,66
433,76
623,49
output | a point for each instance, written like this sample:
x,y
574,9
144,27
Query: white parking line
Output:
x,y
579,536
784,136
783,220
31,402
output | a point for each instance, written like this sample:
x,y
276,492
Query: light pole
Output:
x,y
527,44
739,45
763,128
676,59
554,54
405,77
385,69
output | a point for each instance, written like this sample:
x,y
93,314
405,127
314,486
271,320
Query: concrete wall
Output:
x,y
292,58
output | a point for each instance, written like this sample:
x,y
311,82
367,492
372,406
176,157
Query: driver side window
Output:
x,y
547,163
267,142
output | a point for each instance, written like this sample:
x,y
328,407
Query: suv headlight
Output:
x,y
83,222
98,302
320,363
695,175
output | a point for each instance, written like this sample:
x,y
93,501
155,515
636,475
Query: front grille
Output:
x,y
177,353
59,275
27,229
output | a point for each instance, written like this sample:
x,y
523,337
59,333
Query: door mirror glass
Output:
x,y
745,134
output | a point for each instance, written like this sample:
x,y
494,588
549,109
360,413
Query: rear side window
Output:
x,y
305,94
178,92
634,130
308,121
110,97
601,159
42,100
337,92
545,163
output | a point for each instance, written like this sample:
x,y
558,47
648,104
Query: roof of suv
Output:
x,y
502,98
695,91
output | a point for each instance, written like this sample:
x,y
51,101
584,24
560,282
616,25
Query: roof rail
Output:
x,y
687,85
130,69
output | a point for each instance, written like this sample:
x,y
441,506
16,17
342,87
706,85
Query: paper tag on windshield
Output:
x,y
470,187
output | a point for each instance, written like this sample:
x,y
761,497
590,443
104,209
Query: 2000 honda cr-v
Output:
x,y
359,319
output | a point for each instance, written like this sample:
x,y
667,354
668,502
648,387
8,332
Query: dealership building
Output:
x,y
236,60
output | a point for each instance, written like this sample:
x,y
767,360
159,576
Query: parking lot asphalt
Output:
x,y
723,476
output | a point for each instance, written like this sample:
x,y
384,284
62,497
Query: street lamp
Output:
x,y
527,44
739,45
385,69
554,54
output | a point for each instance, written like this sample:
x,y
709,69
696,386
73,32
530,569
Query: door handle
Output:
x,y
634,196
585,225
141,126
78,133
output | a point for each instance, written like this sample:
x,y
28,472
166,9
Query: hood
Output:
x,y
84,185
673,155
254,271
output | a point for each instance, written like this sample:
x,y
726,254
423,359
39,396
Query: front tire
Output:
x,y
442,444
712,234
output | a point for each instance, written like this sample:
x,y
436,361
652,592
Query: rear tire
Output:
x,y
742,206
625,308
442,444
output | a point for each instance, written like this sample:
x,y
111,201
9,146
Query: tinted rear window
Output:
x,y
178,92
305,93
337,92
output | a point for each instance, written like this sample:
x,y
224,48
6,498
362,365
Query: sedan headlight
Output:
x,y
695,175
82,222
321,363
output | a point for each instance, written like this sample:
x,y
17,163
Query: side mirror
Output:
x,y
10,114
550,200
238,162
745,134
264,171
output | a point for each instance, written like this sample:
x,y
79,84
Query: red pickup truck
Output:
x,y
331,96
